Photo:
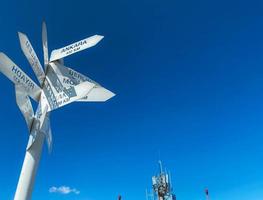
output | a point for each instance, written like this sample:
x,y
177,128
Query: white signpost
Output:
x,y
59,86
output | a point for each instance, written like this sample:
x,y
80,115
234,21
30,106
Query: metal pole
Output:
x,y
27,176
161,167
207,194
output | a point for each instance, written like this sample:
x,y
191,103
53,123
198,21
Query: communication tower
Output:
x,y
161,186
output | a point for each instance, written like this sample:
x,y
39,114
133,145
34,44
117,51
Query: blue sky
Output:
x,y
188,77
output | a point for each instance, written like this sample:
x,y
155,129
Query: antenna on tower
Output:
x,y
161,167
207,194
147,194
170,178
161,185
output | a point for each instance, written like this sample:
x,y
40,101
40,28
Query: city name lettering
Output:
x,y
62,99
74,47
77,75
22,77
68,81
50,95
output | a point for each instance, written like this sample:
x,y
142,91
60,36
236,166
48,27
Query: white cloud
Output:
x,y
63,190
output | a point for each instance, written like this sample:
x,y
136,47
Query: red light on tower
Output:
x,y
207,194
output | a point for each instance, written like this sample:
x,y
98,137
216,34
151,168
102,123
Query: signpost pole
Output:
x,y
27,176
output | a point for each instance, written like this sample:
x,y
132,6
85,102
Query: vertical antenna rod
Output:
x,y
146,193
161,167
